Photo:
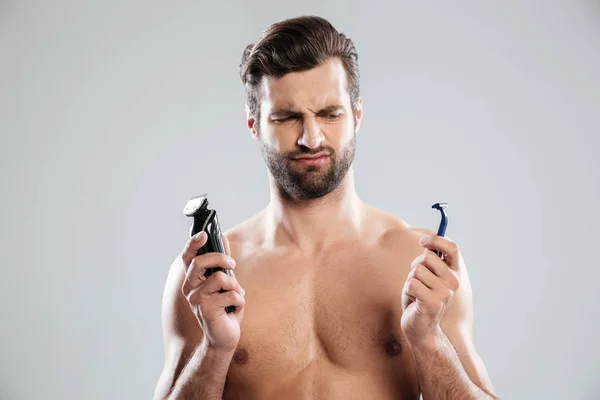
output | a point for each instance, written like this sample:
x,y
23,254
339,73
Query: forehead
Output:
x,y
317,87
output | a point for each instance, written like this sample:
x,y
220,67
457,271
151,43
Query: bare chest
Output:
x,y
338,315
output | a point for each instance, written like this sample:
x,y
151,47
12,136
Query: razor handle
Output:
x,y
443,223
208,222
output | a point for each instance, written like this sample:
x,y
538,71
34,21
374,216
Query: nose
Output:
x,y
312,136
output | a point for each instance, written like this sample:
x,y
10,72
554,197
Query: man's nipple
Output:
x,y
240,356
392,348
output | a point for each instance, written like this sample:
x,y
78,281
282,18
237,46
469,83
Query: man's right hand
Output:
x,y
221,329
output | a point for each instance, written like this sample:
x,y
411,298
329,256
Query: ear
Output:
x,y
359,114
251,123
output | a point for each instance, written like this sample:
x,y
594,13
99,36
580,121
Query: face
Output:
x,y
307,131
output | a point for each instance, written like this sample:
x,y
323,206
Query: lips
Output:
x,y
316,159
311,156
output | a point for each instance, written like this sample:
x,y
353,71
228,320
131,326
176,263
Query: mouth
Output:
x,y
315,159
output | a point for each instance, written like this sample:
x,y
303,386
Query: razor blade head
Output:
x,y
195,205
440,206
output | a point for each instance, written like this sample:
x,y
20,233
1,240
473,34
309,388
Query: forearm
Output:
x,y
441,374
203,378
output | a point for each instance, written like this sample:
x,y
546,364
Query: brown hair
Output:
x,y
293,45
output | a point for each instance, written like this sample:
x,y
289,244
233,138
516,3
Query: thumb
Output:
x,y
192,247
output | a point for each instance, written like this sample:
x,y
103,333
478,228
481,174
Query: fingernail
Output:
x,y
199,235
231,262
424,240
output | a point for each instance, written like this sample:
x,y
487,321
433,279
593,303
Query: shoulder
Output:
x,y
395,233
245,237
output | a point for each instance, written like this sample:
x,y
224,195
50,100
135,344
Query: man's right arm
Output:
x,y
192,370
203,378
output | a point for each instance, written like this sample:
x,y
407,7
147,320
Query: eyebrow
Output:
x,y
290,112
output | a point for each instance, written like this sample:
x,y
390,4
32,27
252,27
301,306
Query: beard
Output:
x,y
305,182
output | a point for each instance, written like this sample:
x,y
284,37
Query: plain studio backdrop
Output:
x,y
113,114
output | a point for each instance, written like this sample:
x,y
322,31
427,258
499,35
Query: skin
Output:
x,y
340,299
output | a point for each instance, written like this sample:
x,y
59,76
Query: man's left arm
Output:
x,y
438,304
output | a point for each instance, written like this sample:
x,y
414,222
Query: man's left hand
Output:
x,y
430,285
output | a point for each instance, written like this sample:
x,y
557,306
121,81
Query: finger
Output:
x,y
428,278
213,286
448,248
192,246
213,260
435,264
441,270
198,266
233,298
208,307
417,289
220,281
226,244
407,299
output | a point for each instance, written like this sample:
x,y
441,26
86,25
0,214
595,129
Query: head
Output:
x,y
302,99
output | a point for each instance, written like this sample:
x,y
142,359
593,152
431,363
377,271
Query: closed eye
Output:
x,y
282,120
330,117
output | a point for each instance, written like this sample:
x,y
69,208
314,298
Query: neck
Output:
x,y
311,225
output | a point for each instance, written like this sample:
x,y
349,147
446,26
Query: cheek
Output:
x,y
267,136
344,133
277,139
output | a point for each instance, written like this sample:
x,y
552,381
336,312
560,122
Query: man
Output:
x,y
334,298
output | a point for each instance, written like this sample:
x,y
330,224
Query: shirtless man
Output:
x,y
334,298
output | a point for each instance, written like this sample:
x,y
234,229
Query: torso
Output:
x,y
325,328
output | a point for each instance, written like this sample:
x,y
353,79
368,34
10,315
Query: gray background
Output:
x,y
113,114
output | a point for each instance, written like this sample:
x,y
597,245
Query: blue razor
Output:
x,y
443,223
